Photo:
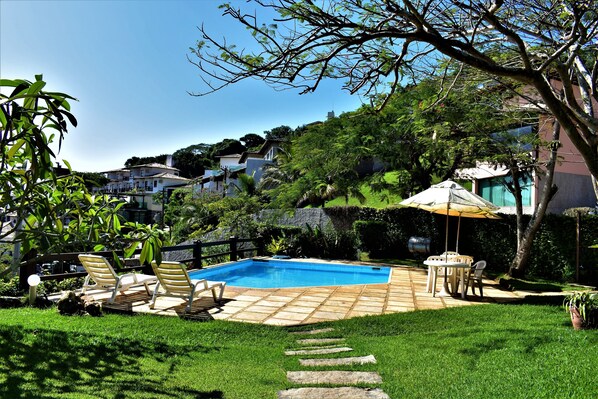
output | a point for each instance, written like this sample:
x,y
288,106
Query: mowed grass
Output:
x,y
489,351
45,355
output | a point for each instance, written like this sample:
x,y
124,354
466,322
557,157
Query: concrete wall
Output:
x,y
574,191
302,217
570,160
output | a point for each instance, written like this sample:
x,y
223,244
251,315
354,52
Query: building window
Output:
x,y
155,183
495,191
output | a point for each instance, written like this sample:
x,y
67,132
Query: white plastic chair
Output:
x,y
449,253
434,272
475,276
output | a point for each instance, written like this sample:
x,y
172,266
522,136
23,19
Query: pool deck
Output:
x,y
294,306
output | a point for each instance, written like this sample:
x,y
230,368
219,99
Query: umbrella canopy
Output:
x,y
450,199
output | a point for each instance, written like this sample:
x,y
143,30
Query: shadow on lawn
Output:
x,y
49,362
531,286
540,300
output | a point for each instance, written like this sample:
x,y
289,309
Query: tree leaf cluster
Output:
x,y
52,212
420,135
544,51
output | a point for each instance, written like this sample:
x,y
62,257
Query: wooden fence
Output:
x,y
235,252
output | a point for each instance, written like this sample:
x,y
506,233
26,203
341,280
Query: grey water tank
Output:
x,y
419,245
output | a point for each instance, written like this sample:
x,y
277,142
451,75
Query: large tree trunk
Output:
x,y
524,244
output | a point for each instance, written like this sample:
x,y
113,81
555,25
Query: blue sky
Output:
x,y
125,61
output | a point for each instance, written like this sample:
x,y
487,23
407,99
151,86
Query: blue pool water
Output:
x,y
284,274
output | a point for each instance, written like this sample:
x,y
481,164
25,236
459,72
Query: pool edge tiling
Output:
x,y
293,273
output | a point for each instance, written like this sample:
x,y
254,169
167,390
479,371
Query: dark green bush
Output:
x,y
11,286
553,252
324,244
68,284
372,236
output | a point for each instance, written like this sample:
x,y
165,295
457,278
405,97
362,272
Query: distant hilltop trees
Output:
x,y
194,160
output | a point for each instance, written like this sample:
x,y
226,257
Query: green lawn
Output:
x,y
45,355
491,351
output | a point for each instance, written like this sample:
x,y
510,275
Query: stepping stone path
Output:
x,y
343,361
333,393
334,377
324,346
313,332
318,351
318,341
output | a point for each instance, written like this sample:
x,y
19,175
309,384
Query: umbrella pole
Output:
x,y
446,232
444,291
458,230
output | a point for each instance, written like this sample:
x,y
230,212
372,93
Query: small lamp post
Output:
x,y
33,281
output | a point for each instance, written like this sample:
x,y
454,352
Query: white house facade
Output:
x,y
139,183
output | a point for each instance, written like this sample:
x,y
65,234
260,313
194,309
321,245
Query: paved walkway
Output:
x,y
294,306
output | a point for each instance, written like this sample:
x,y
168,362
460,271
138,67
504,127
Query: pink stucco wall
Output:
x,y
569,159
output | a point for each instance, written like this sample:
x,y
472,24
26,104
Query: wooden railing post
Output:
x,y
234,256
27,268
197,255
24,273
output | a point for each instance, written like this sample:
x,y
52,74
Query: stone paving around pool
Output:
x,y
294,306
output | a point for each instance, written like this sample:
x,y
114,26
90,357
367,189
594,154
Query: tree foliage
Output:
x,y
136,161
419,135
192,161
282,132
54,213
318,165
425,137
550,47
252,141
92,179
31,119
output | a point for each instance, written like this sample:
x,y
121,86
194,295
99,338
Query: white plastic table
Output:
x,y
459,267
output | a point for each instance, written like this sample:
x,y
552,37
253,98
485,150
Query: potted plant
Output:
x,y
583,307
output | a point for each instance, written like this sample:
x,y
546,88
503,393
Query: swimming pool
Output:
x,y
254,273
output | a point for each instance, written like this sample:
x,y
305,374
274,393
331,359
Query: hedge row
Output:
x,y
553,253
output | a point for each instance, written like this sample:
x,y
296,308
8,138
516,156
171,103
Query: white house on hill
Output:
x,y
139,183
250,163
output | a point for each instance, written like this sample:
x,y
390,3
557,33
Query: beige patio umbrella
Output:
x,y
450,199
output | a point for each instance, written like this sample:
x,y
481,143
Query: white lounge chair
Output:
x,y
103,275
174,281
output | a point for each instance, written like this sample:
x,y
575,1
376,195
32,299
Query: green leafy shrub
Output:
x,y
586,304
68,284
10,287
271,231
277,246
